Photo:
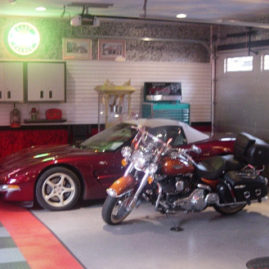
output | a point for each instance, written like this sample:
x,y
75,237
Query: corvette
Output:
x,y
56,177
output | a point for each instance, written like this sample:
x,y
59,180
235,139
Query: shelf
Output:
x,y
44,121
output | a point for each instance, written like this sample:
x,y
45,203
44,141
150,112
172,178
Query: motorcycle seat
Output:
x,y
216,166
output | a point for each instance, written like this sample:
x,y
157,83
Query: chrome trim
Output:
x,y
160,190
203,186
242,186
212,198
247,194
143,183
111,193
160,97
129,169
258,192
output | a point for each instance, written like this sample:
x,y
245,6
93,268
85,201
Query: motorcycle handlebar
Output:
x,y
193,148
184,153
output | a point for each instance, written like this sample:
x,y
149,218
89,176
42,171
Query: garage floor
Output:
x,y
145,240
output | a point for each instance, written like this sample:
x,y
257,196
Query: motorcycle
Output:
x,y
172,180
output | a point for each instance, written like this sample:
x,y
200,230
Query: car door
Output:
x,y
108,168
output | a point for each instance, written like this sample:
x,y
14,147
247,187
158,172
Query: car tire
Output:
x,y
58,188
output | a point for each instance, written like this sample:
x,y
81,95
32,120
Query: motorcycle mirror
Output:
x,y
196,149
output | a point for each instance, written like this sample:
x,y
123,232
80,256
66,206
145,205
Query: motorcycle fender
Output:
x,y
121,186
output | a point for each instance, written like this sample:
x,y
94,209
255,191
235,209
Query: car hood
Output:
x,y
40,154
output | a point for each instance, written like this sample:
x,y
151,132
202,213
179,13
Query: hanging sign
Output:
x,y
23,38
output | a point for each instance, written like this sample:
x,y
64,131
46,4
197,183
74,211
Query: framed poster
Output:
x,y
111,50
77,49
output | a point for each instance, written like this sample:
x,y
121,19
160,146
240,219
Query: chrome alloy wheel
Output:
x,y
58,190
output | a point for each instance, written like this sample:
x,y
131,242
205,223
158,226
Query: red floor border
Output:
x,y
37,243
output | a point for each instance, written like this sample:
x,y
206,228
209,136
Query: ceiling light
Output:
x,y
40,9
181,16
146,39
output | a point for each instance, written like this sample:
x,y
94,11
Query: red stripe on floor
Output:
x,y
38,245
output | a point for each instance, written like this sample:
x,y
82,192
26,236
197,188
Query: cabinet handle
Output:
x,y
0,94
8,94
41,94
50,94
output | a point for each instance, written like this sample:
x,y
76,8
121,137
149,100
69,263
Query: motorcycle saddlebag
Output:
x,y
246,187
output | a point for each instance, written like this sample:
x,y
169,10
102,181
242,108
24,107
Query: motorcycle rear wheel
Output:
x,y
229,210
114,210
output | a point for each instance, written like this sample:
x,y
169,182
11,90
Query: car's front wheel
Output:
x,y
58,188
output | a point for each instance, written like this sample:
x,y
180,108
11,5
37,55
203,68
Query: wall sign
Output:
x,y
23,38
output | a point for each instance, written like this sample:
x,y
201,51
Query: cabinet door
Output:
x,y
11,77
55,74
13,74
46,82
36,82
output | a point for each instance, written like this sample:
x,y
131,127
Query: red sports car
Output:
x,y
58,176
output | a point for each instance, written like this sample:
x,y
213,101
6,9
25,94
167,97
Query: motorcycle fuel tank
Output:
x,y
173,167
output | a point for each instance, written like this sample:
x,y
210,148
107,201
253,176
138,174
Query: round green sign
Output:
x,y
23,38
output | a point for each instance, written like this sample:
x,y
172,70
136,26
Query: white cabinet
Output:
x,y
11,82
46,82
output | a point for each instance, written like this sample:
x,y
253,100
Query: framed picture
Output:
x,y
77,49
112,50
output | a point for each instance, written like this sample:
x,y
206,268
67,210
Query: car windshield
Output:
x,y
110,139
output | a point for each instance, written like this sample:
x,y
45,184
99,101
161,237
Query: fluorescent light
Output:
x,y
181,16
146,39
40,9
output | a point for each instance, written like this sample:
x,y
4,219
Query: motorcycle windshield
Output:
x,y
172,135
147,149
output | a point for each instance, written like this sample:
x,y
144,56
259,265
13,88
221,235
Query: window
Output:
x,y
266,62
236,64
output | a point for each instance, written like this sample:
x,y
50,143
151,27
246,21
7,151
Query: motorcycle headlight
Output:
x,y
139,160
126,152
152,168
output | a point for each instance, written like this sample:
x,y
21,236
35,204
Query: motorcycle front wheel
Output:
x,y
229,210
115,210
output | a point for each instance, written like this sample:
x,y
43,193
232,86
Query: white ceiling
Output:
x,y
215,11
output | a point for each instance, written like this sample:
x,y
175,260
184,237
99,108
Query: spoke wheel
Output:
x,y
58,189
115,210
229,210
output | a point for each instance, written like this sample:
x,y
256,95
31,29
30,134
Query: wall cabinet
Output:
x,y
46,82
11,82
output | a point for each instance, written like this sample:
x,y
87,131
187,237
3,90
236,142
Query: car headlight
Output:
x,y
126,152
138,160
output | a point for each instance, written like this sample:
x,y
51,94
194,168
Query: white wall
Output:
x,y
83,76
242,98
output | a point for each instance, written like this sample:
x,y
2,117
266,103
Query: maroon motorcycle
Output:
x,y
172,180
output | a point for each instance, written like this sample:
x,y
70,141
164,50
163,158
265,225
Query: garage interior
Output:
x,y
194,51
